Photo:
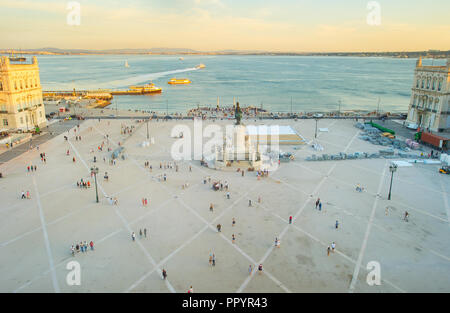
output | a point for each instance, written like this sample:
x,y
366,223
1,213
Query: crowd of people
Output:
x,y
82,247
83,184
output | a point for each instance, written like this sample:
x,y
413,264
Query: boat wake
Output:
x,y
143,78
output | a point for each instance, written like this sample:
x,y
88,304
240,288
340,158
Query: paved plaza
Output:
x,y
36,234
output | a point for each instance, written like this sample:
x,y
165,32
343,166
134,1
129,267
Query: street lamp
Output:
x,y
392,169
315,136
147,128
94,170
339,111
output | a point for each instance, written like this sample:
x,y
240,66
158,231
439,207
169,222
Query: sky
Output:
x,y
213,25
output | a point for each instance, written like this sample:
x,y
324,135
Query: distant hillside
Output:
x,y
168,51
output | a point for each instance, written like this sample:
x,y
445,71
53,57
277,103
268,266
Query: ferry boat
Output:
x,y
201,65
149,88
126,64
179,81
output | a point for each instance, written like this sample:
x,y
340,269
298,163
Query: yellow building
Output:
x,y
21,104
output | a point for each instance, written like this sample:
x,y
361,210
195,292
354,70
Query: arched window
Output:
x,y
436,105
433,87
440,84
21,84
15,85
417,82
428,82
423,83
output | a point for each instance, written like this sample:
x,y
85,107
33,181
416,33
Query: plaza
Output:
x,y
36,234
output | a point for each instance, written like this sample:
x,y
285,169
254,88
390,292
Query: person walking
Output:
x,y
337,224
164,274
406,216
249,202
317,202
233,222
333,246
219,227
233,238
72,249
28,195
92,245
133,236
250,269
140,233
211,207
213,260
290,219
260,268
145,232
210,258
328,250
23,195
77,247
85,246
190,290
320,206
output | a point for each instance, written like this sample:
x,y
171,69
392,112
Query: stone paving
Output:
x,y
36,234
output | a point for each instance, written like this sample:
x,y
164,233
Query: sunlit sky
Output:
x,y
210,25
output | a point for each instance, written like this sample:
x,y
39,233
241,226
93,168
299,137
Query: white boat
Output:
x,y
126,64
181,58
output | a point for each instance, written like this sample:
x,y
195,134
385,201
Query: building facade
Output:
x,y
429,106
21,104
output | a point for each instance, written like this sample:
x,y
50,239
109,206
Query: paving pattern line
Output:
x,y
46,240
366,235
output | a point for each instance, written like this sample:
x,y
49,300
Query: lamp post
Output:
x,y
94,170
392,169
339,111
147,128
315,136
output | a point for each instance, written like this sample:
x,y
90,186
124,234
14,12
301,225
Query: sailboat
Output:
x,y
126,63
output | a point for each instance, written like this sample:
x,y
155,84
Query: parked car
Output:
x,y
412,126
